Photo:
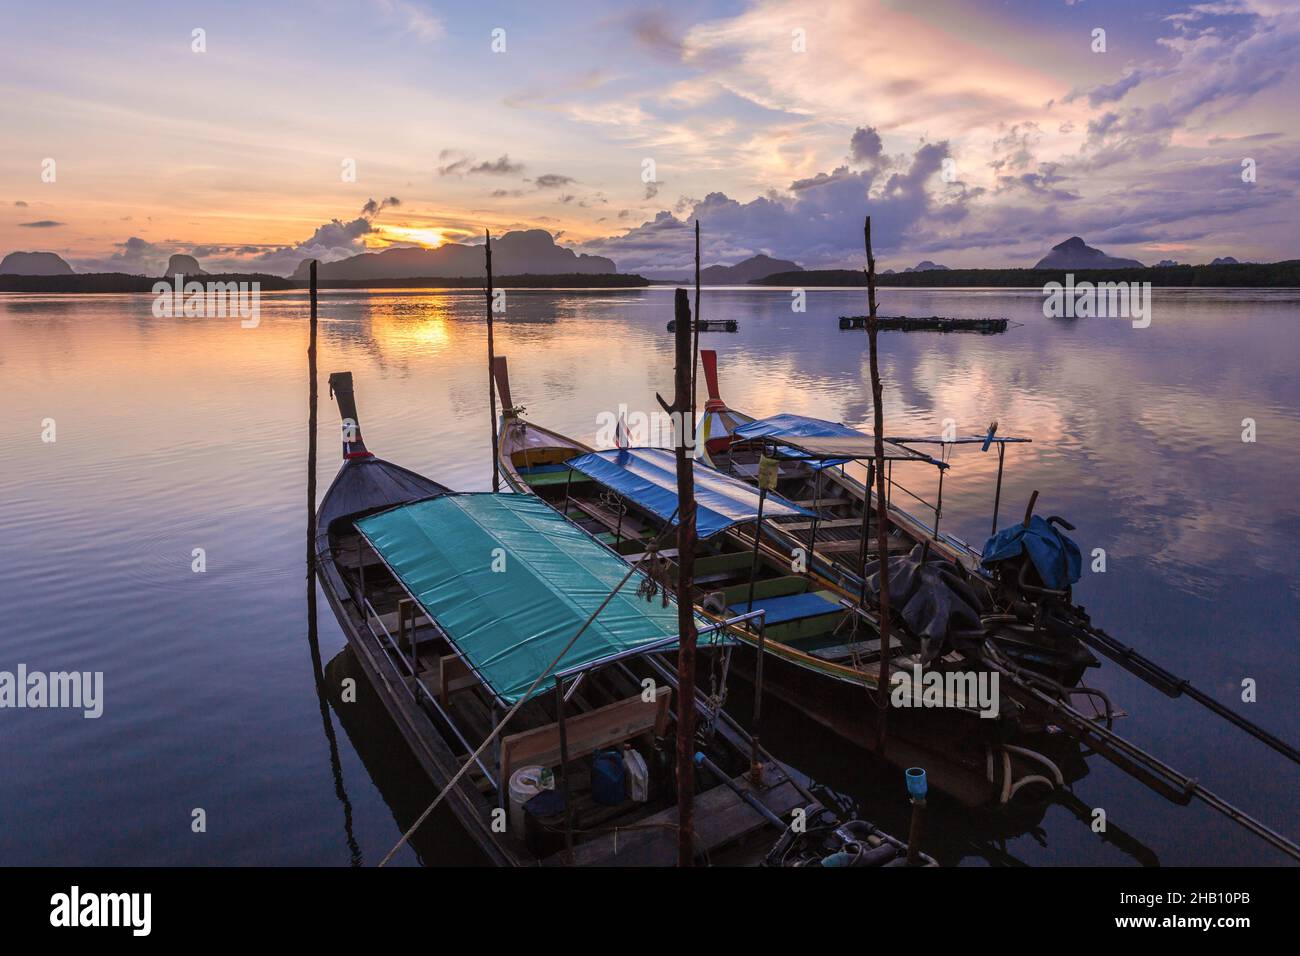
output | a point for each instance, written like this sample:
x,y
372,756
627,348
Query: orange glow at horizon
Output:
x,y
430,237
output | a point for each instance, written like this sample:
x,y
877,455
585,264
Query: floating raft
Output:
x,y
710,325
934,323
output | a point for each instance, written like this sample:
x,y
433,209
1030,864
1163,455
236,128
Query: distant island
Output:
x,y
525,252
1071,256
742,273
1074,253
1244,275
34,264
532,259
120,282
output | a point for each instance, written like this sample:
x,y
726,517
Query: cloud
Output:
x,y
372,208
413,18
1111,92
19,202
653,32
463,164
135,256
865,146
330,242
817,220
40,224
499,167
552,181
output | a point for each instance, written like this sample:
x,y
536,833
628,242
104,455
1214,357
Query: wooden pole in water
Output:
x,y
312,397
492,387
685,582
882,513
695,346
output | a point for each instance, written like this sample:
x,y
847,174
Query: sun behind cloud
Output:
x,y
430,237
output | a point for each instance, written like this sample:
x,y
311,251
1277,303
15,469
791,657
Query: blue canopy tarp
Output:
x,y
510,582
818,438
648,477
1056,558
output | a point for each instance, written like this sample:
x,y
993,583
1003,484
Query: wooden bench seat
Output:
x,y
585,733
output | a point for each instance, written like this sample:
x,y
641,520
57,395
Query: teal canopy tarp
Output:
x,y
509,624
648,477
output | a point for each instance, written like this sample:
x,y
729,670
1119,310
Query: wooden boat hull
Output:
x,y
471,808
955,742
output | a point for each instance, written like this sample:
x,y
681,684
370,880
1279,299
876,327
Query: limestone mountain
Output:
x,y
184,265
1074,253
755,267
34,264
526,252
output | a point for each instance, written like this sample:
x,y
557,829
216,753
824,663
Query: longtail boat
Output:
x,y
459,609
822,645
1027,625
1012,596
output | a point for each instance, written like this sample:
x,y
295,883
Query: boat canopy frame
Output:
x,y
833,443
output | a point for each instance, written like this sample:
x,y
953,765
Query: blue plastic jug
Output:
x,y
607,772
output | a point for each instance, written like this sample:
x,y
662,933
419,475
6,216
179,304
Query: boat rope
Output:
x,y
473,758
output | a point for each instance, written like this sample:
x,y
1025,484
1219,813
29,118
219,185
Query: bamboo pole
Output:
x,y
312,399
882,513
685,582
695,346
492,387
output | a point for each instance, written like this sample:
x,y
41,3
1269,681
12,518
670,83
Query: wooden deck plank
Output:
x,y
870,648
721,817
825,524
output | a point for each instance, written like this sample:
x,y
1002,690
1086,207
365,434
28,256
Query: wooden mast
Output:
x,y
695,345
312,398
681,408
492,388
882,513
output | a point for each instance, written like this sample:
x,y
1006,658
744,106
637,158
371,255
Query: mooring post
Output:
x,y
865,535
758,536
695,337
564,767
680,410
882,513
997,493
812,534
312,397
938,505
756,752
916,789
492,387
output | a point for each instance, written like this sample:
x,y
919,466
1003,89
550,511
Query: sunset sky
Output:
x,y
236,154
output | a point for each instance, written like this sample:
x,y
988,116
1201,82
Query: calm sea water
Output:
x,y
177,434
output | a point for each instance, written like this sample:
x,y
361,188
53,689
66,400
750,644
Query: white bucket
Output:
x,y
525,783
638,775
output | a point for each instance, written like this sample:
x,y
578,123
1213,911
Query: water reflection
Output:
x,y
183,433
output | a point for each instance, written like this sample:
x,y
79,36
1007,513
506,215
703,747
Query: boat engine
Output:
x,y
828,842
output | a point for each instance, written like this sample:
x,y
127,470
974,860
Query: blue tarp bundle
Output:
x,y
1055,556
648,477
794,426
829,443
787,425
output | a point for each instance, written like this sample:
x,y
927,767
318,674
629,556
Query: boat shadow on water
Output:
x,y
859,783
394,771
